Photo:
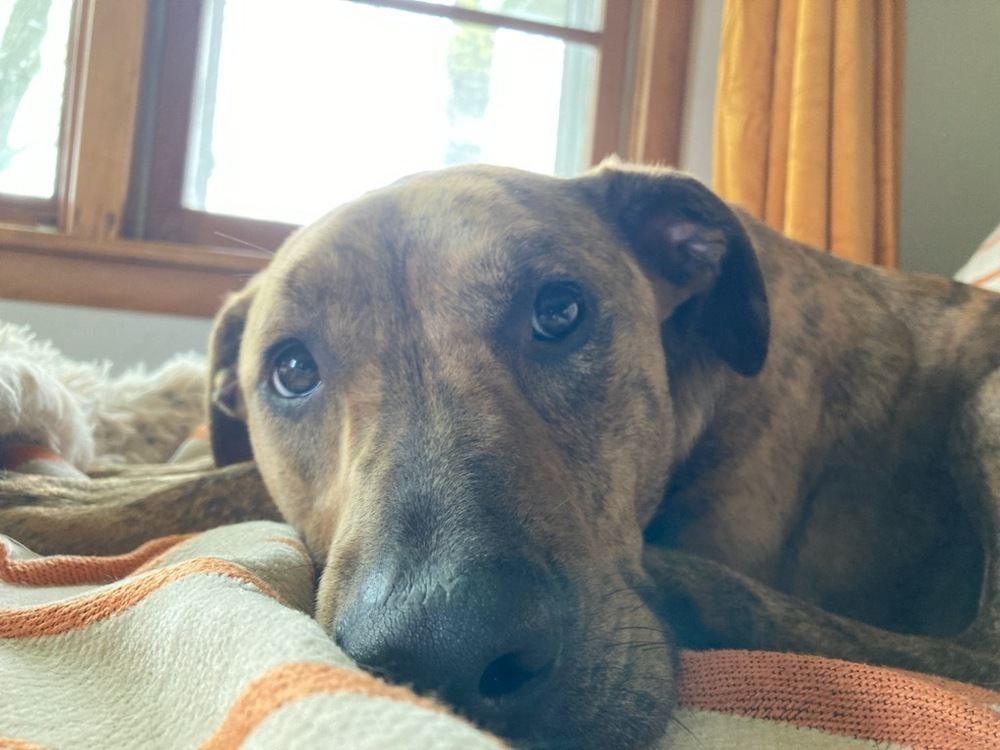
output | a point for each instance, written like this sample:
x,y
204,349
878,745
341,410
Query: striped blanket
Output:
x,y
207,641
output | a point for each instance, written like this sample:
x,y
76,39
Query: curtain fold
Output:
x,y
808,120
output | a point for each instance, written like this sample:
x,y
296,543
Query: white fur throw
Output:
x,y
80,412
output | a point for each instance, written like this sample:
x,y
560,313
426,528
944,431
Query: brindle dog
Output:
x,y
524,422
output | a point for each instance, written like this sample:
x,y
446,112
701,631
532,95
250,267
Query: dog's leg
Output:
x,y
711,606
114,514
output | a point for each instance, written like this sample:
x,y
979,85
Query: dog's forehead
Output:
x,y
442,217
440,259
441,233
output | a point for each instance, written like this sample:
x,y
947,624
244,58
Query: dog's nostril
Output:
x,y
510,673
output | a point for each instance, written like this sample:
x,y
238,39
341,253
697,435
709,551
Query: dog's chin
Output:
x,y
618,689
604,703
627,716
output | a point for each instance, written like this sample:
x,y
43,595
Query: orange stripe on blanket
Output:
x,y
8,743
291,682
74,614
70,570
158,560
980,280
856,700
295,544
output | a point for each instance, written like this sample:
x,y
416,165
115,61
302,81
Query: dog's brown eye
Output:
x,y
558,311
294,373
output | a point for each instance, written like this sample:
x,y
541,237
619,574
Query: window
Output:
x,y
191,136
350,96
427,91
34,47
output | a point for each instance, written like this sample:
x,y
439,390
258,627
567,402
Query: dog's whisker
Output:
x,y
628,591
644,628
675,720
245,243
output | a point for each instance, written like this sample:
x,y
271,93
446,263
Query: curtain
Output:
x,y
808,120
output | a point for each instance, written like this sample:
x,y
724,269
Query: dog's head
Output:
x,y
467,390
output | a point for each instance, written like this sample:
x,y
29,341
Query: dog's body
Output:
x,y
859,472
502,409
842,473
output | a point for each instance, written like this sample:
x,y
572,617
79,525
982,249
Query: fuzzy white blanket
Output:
x,y
83,414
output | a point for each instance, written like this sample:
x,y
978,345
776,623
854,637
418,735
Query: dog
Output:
x,y
539,432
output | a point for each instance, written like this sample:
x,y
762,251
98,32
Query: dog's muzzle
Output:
x,y
487,639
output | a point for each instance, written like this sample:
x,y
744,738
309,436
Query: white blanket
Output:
x,y
200,641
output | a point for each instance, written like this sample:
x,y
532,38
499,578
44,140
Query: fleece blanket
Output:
x,y
206,641
200,641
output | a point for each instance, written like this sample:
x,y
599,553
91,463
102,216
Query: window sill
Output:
x,y
48,266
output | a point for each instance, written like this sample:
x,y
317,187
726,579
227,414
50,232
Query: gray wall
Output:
x,y
122,338
951,132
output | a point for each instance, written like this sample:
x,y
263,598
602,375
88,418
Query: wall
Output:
x,y
122,338
696,140
951,132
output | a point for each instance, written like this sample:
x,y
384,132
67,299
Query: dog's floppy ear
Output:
x,y
226,409
702,261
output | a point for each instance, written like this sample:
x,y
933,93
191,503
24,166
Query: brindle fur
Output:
x,y
115,513
814,466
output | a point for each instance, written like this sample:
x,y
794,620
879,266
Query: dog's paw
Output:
x,y
37,409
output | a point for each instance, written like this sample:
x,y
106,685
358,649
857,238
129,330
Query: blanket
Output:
x,y
199,641
206,641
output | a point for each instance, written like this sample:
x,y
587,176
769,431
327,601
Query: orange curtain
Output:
x,y
808,120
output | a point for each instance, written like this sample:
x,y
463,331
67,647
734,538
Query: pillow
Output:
x,y
983,268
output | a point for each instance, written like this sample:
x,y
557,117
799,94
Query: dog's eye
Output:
x,y
558,311
294,373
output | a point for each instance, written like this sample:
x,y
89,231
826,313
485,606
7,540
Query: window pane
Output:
x,y
307,103
577,14
34,38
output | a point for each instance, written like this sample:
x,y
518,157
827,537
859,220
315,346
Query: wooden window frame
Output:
x,y
91,245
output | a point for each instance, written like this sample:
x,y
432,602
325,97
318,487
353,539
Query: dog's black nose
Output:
x,y
487,642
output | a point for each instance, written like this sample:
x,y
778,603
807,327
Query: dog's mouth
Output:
x,y
514,652
516,673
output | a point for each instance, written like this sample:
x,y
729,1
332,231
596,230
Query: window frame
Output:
x,y
106,239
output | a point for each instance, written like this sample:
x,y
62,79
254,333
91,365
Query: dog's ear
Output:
x,y
226,408
698,254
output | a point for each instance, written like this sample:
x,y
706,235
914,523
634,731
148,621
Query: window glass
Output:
x,y
576,14
34,39
304,104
